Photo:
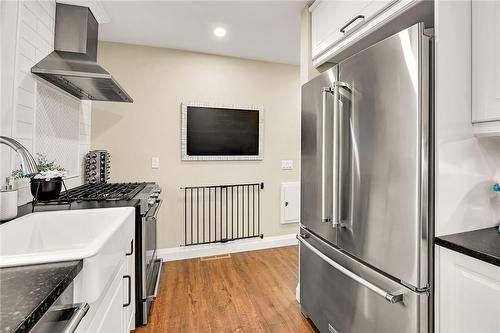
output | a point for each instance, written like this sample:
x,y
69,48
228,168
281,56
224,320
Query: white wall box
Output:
x,y
486,67
342,28
290,202
469,294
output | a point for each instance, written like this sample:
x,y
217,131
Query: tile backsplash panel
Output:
x,y
42,117
57,128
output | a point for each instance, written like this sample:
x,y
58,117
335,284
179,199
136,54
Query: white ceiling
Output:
x,y
262,30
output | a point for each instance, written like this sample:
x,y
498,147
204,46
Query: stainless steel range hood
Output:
x,y
73,64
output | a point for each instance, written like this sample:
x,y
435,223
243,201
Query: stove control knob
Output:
x,y
151,201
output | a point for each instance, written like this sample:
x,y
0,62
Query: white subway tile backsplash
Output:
x,y
44,32
27,49
49,8
24,64
27,16
24,130
25,114
25,98
26,81
29,34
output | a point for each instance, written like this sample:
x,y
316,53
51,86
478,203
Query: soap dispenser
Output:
x,y
8,200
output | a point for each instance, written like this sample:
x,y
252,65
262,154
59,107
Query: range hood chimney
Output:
x,y
72,66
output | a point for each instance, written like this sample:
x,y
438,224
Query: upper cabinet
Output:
x,y
342,28
486,67
332,20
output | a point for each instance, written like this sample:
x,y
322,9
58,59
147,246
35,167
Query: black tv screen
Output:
x,y
213,131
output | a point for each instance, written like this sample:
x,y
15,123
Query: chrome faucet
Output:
x,y
28,163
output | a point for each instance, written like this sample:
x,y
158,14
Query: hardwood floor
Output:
x,y
247,292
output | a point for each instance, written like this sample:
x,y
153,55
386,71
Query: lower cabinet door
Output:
x,y
469,294
129,290
110,316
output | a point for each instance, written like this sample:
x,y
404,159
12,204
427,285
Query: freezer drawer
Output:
x,y
353,297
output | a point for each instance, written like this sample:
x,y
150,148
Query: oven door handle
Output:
x,y
152,215
76,318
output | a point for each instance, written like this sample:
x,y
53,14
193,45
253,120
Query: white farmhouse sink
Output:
x,y
93,235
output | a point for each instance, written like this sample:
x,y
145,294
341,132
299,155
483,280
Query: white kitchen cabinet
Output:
x,y
468,294
113,311
329,17
129,287
486,67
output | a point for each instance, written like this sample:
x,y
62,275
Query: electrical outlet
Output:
x,y
155,162
286,165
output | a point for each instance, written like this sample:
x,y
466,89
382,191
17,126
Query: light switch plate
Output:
x,y
155,162
286,164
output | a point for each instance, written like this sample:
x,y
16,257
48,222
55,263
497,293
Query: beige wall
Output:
x,y
159,80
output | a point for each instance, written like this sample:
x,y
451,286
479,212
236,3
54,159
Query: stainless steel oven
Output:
x,y
150,266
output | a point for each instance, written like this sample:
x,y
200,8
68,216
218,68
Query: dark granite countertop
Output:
x,y
483,244
27,292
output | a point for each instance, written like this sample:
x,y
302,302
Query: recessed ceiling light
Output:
x,y
219,32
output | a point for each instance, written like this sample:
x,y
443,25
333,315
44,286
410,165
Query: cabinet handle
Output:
x,y
131,248
129,278
342,30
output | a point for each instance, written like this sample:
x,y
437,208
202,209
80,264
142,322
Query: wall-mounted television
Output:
x,y
214,133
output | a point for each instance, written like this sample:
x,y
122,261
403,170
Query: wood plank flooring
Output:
x,y
248,292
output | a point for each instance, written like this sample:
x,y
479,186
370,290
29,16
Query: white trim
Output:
x,y
196,251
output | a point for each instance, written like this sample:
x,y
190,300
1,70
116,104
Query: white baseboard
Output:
x,y
252,244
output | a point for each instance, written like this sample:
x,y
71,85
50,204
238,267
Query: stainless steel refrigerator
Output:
x,y
366,190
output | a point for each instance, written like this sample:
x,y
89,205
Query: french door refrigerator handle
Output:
x,y
391,297
336,157
325,211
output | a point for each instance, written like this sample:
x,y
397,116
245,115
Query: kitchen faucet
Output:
x,y
28,164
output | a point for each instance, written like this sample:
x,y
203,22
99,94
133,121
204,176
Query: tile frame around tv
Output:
x,y
186,157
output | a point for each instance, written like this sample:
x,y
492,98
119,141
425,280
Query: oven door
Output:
x,y
149,241
150,269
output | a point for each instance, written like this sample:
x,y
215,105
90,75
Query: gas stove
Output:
x,y
104,191
146,193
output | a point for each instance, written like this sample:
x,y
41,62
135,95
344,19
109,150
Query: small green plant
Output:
x,y
42,163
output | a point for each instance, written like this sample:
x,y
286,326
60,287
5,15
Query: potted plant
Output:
x,y
47,184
